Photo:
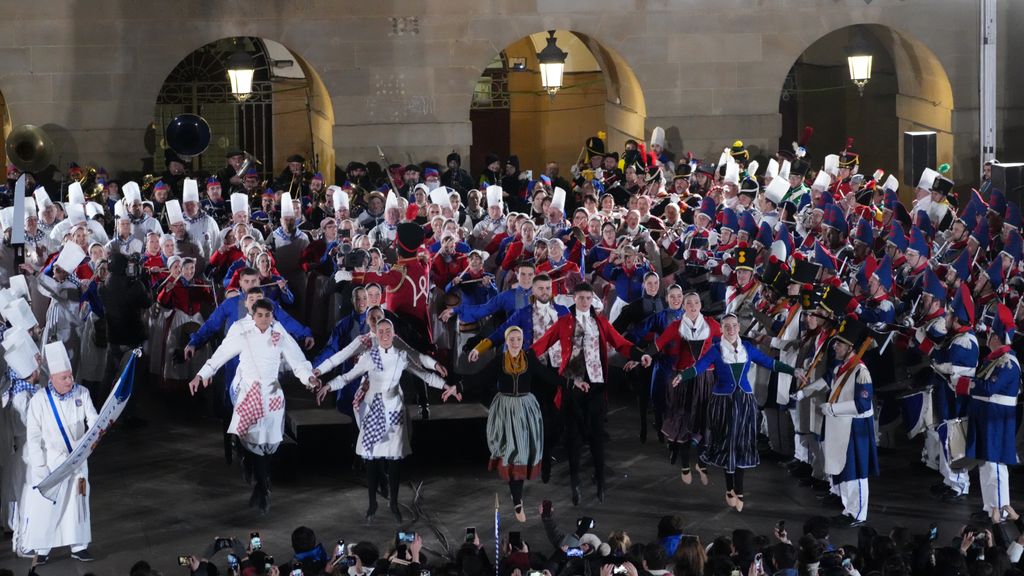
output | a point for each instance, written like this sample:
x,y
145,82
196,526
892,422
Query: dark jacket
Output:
x,y
125,300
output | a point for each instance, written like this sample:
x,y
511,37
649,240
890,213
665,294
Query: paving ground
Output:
x,y
164,491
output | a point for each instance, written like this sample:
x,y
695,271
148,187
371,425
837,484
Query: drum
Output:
x,y
956,444
918,414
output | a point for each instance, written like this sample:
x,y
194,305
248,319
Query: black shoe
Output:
x,y
396,513
801,471
844,521
661,437
576,494
951,496
820,484
790,463
807,481
41,559
82,556
425,412
831,500
371,512
938,488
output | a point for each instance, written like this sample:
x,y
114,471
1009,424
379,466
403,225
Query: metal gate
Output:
x,y
199,85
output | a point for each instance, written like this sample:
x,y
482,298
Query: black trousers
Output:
x,y
583,417
375,471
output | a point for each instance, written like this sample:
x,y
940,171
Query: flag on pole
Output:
x,y
497,535
112,408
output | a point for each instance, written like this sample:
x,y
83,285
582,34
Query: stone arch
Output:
x,y
298,115
909,91
610,91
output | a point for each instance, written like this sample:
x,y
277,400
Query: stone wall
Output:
x,y
400,73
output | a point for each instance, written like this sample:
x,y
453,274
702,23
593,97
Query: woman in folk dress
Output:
x,y
731,442
381,414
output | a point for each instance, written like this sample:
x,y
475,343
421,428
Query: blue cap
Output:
x,y
896,236
865,233
918,242
824,257
934,286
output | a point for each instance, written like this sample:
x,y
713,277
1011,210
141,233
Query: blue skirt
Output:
x,y
732,431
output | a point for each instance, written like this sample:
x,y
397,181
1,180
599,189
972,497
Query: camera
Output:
x,y
515,540
182,560
470,534
254,541
347,561
620,569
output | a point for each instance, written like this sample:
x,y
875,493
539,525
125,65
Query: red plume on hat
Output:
x,y
805,137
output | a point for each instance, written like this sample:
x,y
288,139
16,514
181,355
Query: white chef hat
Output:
x,y
6,297
558,199
119,210
821,181
732,171
75,194
173,208
190,190
772,169
57,359
76,213
927,179
439,196
20,352
340,199
831,164
777,189
71,255
20,315
131,192
494,196
287,208
30,208
19,287
784,170
391,201
239,203
93,209
6,217
42,198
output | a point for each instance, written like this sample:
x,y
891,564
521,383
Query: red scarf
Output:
x,y
997,353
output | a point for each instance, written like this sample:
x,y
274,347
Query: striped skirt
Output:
x,y
686,409
732,431
515,436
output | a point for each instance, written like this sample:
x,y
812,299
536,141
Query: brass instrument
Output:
x,y
29,148
249,162
188,135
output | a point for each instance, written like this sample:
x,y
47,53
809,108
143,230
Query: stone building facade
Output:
x,y
401,73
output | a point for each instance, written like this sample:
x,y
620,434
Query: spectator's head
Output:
x,y
303,539
654,557
366,553
140,568
817,526
783,556
743,542
690,557
618,543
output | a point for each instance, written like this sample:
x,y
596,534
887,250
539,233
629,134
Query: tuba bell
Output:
x,y
188,135
29,148
249,162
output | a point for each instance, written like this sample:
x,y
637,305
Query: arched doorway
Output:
x,y
908,91
512,114
289,110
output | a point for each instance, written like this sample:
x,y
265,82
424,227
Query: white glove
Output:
x,y
711,264
826,409
797,396
666,242
342,275
673,198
